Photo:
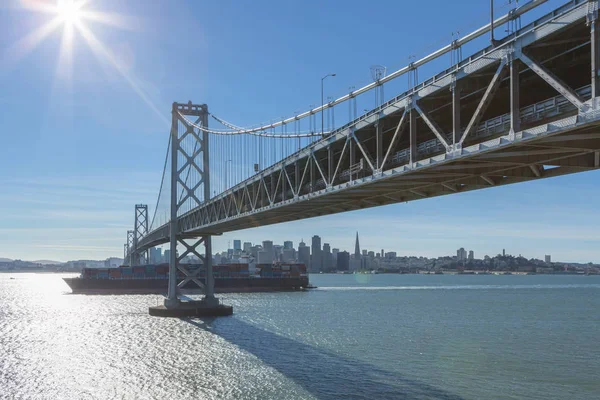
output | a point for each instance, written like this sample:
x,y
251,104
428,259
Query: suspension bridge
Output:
x,y
523,108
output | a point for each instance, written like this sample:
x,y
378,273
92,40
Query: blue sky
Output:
x,y
83,141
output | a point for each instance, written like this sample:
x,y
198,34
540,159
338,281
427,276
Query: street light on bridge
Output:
x,y
323,103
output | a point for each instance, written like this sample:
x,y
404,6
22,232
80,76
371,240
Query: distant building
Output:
x,y
355,264
316,260
356,260
548,258
471,255
304,254
268,255
156,255
254,251
237,245
461,254
326,259
277,252
247,247
288,244
114,262
371,254
288,255
334,253
343,261
503,253
265,257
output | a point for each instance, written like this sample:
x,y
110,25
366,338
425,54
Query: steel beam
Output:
x,y
396,137
351,154
413,136
432,125
379,144
595,50
485,101
552,80
515,108
172,295
456,131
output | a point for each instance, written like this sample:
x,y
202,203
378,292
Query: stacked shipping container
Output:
x,y
161,271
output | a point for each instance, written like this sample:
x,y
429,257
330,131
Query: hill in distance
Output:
x,y
48,262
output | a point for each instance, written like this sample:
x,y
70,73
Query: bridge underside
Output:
x,y
570,152
525,109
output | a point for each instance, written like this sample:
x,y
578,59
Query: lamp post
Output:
x,y
322,102
492,22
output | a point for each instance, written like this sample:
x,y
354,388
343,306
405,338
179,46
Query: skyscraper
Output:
x,y
237,245
316,261
288,244
288,255
355,261
327,264
304,254
247,247
357,248
269,255
343,261
156,255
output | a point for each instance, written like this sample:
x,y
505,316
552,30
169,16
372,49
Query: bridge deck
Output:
x,y
539,111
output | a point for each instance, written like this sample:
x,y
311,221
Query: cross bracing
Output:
x,y
523,109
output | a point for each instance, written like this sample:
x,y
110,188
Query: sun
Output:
x,y
74,16
69,11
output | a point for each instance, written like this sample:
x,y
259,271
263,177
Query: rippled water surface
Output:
x,y
356,337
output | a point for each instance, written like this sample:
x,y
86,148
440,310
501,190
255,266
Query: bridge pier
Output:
x,y
195,153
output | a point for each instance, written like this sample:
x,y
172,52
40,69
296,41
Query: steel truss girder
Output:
x,y
200,220
456,184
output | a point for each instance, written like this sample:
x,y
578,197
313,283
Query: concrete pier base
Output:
x,y
200,308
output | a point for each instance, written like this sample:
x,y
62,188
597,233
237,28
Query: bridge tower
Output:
x,y
129,257
190,188
140,229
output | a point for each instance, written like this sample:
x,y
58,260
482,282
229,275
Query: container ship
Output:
x,y
153,279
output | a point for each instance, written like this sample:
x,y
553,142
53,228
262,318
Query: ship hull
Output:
x,y
159,286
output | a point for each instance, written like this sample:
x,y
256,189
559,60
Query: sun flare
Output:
x,y
69,11
76,18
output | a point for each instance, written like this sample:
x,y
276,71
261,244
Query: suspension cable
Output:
x,y
162,181
254,132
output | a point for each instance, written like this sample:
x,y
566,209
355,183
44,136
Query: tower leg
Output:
x,y
209,289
